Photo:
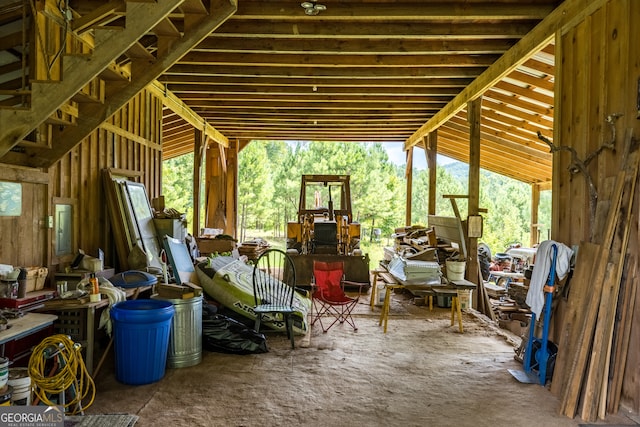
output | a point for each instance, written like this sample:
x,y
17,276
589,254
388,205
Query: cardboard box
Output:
x,y
210,246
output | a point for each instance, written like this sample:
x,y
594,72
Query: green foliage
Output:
x,y
177,184
269,179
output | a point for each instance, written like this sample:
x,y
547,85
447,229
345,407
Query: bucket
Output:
x,y
4,371
185,340
464,298
5,395
20,381
443,301
141,338
380,293
455,270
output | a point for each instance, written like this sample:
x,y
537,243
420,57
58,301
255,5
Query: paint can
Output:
x,y
20,381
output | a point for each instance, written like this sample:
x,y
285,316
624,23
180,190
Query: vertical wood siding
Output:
x,y
600,66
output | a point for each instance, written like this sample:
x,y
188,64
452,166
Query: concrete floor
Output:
x,y
422,372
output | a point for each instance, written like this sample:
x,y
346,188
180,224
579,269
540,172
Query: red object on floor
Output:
x,y
328,297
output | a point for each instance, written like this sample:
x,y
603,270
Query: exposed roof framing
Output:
x,y
363,70
370,71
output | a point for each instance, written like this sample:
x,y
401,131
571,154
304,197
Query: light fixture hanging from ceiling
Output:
x,y
312,8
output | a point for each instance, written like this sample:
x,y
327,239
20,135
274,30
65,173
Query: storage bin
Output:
x,y
141,338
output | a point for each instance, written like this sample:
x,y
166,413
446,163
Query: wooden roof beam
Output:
x,y
568,14
332,60
414,11
190,91
341,73
308,29
507,144
170,100
354,46
398,82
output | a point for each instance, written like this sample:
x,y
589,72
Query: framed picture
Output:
x,y
10,198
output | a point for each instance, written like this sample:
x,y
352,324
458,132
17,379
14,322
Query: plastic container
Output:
x,y
141,338
133,279
380,292
20,381
464,298
443,301
4,371
5,395
185,340
455,270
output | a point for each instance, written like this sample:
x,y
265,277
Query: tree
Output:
x,y
255,187
177,184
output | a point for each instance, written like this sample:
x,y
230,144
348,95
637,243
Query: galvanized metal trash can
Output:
x,y
185,339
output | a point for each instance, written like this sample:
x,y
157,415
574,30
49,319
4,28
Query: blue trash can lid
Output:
x,y
133,279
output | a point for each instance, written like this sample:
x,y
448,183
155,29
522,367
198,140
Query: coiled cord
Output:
x,y
56,365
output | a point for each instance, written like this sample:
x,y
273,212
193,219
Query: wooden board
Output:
x,y
450,230
579,286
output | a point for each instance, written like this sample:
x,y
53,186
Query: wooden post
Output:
x,y
232,189
409,177
535,203
199,147
431,150
215,190
473,116
222,188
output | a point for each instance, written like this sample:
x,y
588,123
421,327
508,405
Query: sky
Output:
x,y
399,157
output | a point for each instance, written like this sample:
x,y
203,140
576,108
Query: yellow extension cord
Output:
x,y
73,373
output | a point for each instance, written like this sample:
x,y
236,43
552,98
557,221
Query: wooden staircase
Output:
x,y
137,67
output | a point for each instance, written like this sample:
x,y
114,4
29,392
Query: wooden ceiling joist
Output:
x,y
363,70
567,14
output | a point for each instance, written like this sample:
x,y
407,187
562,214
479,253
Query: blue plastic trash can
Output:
x,y
141,331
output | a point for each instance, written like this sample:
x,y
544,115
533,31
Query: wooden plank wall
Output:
x,y
130,140
598,72
24,238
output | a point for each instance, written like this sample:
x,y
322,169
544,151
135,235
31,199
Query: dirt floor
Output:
x,y
422,372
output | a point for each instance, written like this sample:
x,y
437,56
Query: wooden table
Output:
x,y
85,312
391,284
22,327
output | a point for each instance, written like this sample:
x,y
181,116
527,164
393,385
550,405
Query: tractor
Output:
x,y
325,230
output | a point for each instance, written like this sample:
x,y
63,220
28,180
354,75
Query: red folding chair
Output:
x,y
328,297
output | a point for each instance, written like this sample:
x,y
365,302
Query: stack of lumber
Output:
x,y
416,242
593,346
252,249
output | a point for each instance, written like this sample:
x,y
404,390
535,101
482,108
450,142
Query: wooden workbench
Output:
x,y
78,319
23,333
